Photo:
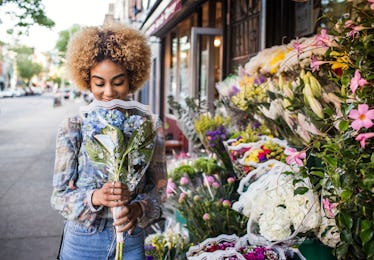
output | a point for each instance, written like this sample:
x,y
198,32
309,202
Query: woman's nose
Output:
x,y
108,90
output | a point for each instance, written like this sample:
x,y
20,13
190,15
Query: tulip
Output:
x,y
315,106
315,85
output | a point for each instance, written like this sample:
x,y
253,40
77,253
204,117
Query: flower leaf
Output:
x,y
343,125
301,190
366,235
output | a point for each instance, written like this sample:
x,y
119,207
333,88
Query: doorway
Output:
x,y
206,64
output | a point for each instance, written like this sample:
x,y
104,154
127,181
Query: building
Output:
x,y
197,43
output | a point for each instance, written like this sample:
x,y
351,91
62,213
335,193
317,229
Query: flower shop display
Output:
x,y
319,97
309,170
201,195
118,135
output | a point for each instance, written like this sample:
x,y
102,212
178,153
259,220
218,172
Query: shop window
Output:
x,y
245,30
179,60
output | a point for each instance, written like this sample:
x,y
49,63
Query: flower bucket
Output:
x,y
210,248
312,249
179,218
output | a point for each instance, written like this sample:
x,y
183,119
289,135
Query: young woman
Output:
x,y
112,62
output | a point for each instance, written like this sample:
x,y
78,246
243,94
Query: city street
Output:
x,y
29,227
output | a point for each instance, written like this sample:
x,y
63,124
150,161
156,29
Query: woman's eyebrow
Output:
x,y
119,75
98,77
115,77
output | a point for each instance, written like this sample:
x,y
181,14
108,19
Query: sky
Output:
x,y
64,13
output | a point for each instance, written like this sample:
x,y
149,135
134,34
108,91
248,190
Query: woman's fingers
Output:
x,y
127,218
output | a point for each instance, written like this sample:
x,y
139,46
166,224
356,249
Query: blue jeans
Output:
x,y
99,242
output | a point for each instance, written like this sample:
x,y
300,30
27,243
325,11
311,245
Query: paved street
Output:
x,y
29,227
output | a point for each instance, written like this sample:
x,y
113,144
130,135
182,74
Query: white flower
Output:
x,y
274,224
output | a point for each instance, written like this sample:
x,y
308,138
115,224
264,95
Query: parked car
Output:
x,y
19,92
8,93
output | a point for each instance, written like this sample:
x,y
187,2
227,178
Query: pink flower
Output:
x,y
206,216
297,46
295,157
230,180
329,207
184,180
357,81
210,180
362,116
362,138
182,196
314,64
215,185
355,31
348,24
371,4
170,188
226,203
323,39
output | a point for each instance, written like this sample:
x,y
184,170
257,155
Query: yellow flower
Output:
x,y
252,157
275,62
338,64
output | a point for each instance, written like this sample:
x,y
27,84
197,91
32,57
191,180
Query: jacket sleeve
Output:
x,y
153,193
73,204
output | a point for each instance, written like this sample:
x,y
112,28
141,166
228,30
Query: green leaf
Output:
x,y
343,125
332,161
346,195
346,236
345,220
300,190
342,250
317,173
369,249
366,235
365,225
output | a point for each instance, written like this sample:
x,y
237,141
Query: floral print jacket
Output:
x,y
73,165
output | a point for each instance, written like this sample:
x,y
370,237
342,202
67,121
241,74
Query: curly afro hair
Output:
x,y
121,44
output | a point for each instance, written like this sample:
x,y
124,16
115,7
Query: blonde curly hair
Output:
x,y
121,44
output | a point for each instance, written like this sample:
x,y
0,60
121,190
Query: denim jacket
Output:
x,y
72,164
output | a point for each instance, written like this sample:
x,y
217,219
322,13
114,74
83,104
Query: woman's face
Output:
x,y
108,81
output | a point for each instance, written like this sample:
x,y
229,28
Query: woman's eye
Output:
x,y
118,83
99,84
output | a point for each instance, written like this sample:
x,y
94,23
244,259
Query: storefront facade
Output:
x,y
199,43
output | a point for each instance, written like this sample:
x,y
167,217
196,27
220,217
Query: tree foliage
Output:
x,y
64,37
25,67
26,14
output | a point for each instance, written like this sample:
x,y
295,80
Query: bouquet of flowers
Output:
x,y
280,204
119,138
172,243
232,247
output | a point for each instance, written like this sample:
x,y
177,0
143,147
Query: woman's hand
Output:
x,y
128,217
112,194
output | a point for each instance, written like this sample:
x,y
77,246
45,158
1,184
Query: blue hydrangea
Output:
x,y
132,123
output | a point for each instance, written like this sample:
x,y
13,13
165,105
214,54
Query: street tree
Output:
x,y
26,68
25,14
64,37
